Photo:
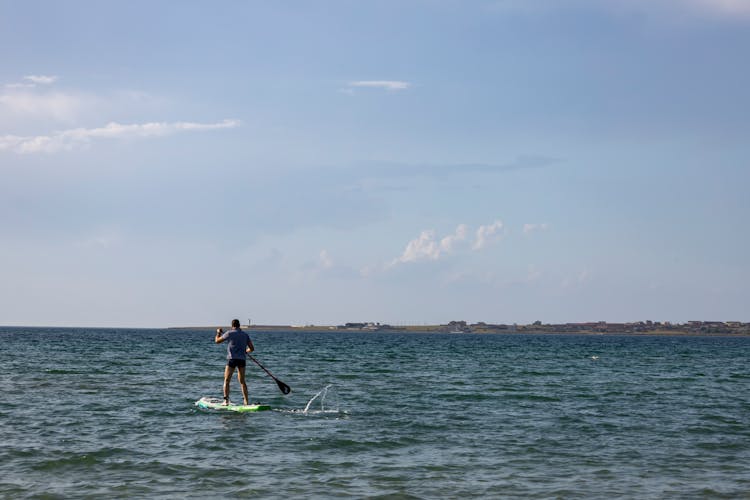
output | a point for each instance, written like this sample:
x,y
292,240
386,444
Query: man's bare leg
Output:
x,y
241,378
228,371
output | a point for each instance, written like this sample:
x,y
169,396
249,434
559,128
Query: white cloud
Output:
x,y
19,85
20,100
32,81
391,85
427,247
677,8
531,228
447,243
76,138
721,7
421,248
486,234
664,9
41,79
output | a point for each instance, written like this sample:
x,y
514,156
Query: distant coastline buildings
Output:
x,y
727,328
597,327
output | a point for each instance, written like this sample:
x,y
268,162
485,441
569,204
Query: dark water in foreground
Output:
x,y
109,413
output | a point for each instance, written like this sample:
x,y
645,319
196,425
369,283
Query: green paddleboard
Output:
x,y
217,404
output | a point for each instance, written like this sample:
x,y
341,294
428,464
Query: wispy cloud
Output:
x,y
733,8
665,9
36,98
391,85
728,9
76,138
487,234
41,79
433,170
32,81
22,101
324,260
19,85
532,228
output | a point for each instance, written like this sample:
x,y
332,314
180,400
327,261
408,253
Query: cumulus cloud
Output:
x,y
487,234
391,85
427,247
448,242
68,140
424,247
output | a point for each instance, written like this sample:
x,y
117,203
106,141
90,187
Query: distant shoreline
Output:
x,y
742,330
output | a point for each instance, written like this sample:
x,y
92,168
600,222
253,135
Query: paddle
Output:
x,y
282,386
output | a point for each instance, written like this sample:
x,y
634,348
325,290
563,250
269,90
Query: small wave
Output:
x,y
77,460
471,397
723,419
297,411
722,446
60,371
533,397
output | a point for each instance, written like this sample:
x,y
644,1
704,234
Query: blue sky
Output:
x,y
168,164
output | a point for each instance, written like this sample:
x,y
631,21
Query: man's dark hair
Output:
x,y
235,323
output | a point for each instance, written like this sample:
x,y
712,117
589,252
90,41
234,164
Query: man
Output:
x,y
238,344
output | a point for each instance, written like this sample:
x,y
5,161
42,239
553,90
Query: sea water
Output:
x,y
110,413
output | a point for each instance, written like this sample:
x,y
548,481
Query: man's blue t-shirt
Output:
x,y
236,343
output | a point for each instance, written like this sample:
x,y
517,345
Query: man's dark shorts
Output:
x,y
234,363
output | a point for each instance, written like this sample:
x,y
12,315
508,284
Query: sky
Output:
x,y
404,162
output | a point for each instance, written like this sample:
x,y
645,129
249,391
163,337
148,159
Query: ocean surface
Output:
x,y
98,413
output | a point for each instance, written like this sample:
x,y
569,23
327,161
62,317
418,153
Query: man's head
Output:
x,y
235,323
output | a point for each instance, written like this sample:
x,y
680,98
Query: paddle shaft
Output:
x,y
282,386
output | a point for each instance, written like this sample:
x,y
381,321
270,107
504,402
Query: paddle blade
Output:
x,y
285,389
282,386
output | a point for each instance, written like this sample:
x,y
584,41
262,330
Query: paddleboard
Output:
x,y
217,404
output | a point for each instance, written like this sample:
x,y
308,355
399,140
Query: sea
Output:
x,y
110,413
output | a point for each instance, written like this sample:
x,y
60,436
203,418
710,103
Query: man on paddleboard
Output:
x,y
238,343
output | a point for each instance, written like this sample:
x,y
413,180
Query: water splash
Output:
x,y
322,395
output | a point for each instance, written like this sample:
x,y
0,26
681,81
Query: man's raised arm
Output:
x,y
219,339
